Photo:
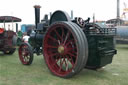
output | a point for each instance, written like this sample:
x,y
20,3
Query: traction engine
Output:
x,y
68,46
8,38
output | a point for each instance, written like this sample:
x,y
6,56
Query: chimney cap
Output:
x,y
37,6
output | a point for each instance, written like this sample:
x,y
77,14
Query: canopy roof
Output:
x,y
115,21
9,19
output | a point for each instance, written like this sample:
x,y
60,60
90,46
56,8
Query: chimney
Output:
x,y
71,14
50,14
118,12
118,8
37,14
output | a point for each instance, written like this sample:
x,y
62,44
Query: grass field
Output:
x,y
12,72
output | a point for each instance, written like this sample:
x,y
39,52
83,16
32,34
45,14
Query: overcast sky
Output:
x,y
103,9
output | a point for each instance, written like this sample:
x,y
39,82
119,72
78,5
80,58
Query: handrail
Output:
x,y
102,31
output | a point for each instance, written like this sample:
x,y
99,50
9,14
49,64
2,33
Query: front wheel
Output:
x,y
10,51
25,54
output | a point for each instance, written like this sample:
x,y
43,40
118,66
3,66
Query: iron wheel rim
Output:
x,y
24,54
61,38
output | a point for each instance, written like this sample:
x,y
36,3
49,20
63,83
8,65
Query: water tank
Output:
x,y
122,35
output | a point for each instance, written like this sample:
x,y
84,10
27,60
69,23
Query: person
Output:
x,y
25,37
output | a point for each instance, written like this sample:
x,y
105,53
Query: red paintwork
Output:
x,y
24,54
1,30
6,42
60,64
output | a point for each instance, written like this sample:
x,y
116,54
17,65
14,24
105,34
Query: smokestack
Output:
x,y
37,14
94,18
118,12
118,9
71,14
50,14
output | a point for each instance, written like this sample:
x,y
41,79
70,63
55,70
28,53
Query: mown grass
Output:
x,y
12,72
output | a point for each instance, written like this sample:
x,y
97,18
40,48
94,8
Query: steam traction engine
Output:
x,y
68,45
8,38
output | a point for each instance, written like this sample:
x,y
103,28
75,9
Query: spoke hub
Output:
x,y
61,49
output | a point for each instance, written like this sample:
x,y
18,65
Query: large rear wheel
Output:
x,y
63,49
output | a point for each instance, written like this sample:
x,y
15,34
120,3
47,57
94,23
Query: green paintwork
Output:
x,y
101,50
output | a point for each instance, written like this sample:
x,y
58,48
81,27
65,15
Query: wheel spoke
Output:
x,y
50,46
70,60
56,60
69,42
52,38
63,34
66,38
71,54
71,49
66,64
58,35
28,57
61,64
25,59
53,54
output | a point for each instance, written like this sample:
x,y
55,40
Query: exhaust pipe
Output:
x,y
37,14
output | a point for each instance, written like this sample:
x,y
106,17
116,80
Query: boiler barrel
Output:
x,y
36,39
122,31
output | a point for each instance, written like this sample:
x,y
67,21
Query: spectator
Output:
x,y
25,37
